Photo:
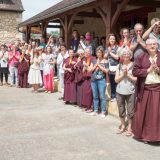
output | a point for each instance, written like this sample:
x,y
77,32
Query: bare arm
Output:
x,y
103,69
146,34
118,77
91,68
133,46
114,56
131,78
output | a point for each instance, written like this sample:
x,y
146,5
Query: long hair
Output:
x,y
35,53
101,50
107,39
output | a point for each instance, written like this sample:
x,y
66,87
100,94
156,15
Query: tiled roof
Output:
x,y
59,8
12,5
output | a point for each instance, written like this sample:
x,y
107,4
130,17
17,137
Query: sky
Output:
x,y
33,7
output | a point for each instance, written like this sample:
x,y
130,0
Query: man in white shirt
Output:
x,y
60,59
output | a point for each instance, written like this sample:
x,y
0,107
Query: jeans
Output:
x,y
13,75
99,89
113,85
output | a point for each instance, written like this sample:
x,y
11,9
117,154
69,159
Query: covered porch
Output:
x,y
98,16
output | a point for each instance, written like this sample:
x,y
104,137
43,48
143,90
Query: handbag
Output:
x,y
112,68
97,75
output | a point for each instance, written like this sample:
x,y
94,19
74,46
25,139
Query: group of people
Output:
x,y
131,66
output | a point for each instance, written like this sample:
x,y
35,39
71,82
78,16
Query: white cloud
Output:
x,y
33,7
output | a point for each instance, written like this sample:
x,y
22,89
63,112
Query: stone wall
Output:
x,y
8,26
95,25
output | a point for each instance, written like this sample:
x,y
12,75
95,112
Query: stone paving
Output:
x,y
40,127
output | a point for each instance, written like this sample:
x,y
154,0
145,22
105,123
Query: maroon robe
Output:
x,y
87,99
23,68
79,82
146,121
69,82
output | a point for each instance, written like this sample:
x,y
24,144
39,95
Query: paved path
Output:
x,y
39,127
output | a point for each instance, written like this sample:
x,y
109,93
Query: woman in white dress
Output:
x,y
34,76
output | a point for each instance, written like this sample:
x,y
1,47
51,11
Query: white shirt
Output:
x,y
43,55
152,77
4,59
60,60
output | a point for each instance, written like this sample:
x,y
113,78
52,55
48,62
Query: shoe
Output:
x,y
61,98
103,115
89,111
6,84
113,99
46,91
49,92
93,114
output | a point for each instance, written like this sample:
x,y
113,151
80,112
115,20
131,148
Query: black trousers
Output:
x,y
6,77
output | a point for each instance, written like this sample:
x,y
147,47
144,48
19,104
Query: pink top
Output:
x,y
13,57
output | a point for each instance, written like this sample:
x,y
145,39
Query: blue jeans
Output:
x,y
99,89
14,75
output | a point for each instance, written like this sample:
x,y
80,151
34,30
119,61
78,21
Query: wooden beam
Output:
x,y
54,26
146,3
89,14
118,12
28,33
44,30
71,21
66,30
78,22
62,23
102,14
108,17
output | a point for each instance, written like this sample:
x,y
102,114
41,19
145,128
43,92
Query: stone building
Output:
x,y
10,17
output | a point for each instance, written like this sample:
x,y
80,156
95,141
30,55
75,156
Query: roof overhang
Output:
x,y
56,10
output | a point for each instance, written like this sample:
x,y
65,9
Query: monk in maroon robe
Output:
x,y
79,77
69,78
23,69
87,99
146,121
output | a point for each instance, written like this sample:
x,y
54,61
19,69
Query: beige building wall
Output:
x,y
8,26
153,15
92,25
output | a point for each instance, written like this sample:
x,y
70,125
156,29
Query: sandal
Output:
x,y
128,133
121,130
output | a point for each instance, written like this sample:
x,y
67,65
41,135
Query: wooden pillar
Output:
x,y
118,12
110,18
44,30
106,15
67,22
28,33
66,34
